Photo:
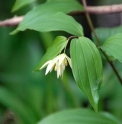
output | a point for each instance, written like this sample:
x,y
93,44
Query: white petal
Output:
x,y
58,69
45,64
62,68
56,58
59,62
61,59
69,61
49,67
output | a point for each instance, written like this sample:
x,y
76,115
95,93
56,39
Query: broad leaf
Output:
x,y
20,3
65,6
79,116
113,46
58,45
87,68
52,22
44,18
104,33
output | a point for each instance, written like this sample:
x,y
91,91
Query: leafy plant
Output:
x,y
54,18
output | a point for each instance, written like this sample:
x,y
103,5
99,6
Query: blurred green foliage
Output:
x,y
27,96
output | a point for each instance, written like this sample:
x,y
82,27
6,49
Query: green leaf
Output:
x,y
20,3
87,68
58,45
65,6
113,46
44,18
51,22
78,116
104,33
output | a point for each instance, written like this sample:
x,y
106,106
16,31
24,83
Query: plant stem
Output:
x,y
113,67
98,41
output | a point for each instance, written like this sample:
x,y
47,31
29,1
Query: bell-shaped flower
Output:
x,y
58,64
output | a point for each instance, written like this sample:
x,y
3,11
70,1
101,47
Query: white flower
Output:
x,y
58,63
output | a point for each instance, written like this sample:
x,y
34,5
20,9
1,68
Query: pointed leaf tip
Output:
x,y
87,68
58,45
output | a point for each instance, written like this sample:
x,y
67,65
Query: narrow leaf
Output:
x,y
87,68
20,3
113,46
52,22
58,45
78,116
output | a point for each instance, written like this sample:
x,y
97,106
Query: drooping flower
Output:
x,y
58,64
